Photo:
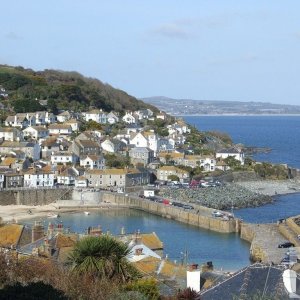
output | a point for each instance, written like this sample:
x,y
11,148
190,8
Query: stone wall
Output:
x,y
203,219
34,196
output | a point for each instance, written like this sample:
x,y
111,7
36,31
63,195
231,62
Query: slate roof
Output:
x,y
250,281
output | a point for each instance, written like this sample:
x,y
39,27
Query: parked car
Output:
x,y
286,245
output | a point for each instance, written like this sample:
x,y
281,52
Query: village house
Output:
x,y
96,115
1,180
112,118
63,158
208,163
74,124
68,176
93,162
161,115
166,157
221,165
85,147
145,139
60,129
129,118
133,128
10,134
113,146
36,132
9,163
116,178
50,146
18,120
13,180
141,155
38,178
63,117
42,117
31,149
238,154
164,172
81,182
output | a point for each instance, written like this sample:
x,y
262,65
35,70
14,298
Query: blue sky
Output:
x,y
215,50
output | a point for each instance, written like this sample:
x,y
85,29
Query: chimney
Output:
x,y
289,280
37,231
123,230
138,238
50,229
193,277
138,251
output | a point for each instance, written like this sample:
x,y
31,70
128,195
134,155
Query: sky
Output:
x,y
246,50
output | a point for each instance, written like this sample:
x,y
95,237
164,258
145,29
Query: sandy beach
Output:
x,y
272,187
16,213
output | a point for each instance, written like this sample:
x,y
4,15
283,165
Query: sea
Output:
x,y
281,133
226,251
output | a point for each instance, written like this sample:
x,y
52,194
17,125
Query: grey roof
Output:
x,y
250,281
141,149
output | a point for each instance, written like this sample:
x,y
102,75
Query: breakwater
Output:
x,y
200,216
221,197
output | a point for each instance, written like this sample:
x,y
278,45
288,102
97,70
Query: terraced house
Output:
x,y
164,172
38,178
115,178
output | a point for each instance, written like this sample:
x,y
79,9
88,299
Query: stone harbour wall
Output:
x,y
201,219
33,196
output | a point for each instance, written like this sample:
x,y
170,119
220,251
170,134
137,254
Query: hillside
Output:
x,y
30,90
216,107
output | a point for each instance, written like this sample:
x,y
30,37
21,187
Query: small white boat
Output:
x,y
53,216
87,213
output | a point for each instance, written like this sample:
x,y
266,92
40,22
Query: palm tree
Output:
x,y
103,257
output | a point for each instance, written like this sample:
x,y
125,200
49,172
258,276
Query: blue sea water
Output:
x,y
227,251
280,133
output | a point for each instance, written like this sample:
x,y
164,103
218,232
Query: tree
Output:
x,y
146,286
173,177
102,257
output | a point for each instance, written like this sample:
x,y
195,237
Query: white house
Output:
x,y
10,134
81,182
63,117
36,132
93,162
112,118
145,139
63,158
238,154
38,178
1,181
129,118
60,129
17,121
74,124
68,176
96,115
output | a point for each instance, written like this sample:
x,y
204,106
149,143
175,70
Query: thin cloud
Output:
x,y
247,58
12,36
172,30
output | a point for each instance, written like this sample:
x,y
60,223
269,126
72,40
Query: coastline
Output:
x,y
16,213
272,187
269,188
236,115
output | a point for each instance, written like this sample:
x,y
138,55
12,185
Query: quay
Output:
x,y
264,238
